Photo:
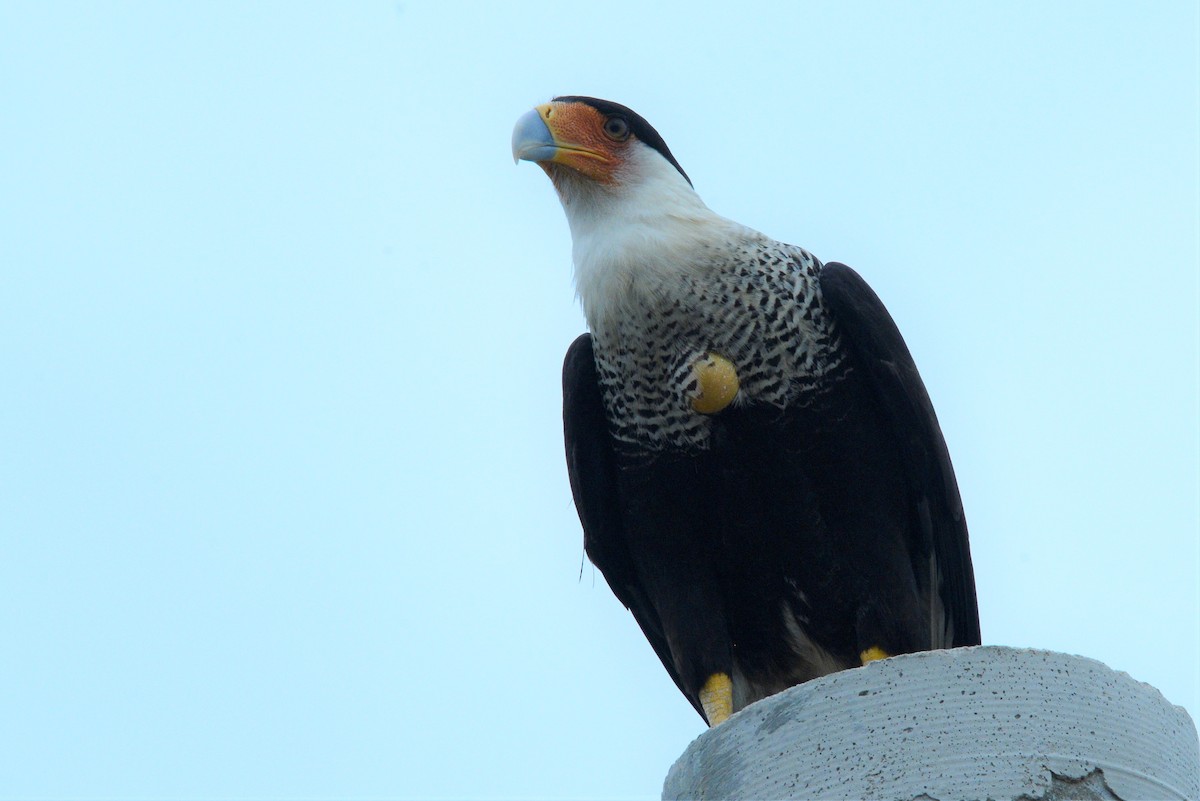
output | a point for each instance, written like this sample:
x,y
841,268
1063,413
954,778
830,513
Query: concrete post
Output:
x,y
970,723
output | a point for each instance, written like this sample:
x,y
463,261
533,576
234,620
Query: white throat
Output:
x,y
637,237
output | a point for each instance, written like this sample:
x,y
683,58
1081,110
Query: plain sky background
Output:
x,y
283,507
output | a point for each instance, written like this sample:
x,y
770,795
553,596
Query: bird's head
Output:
x,y
631,207
599,154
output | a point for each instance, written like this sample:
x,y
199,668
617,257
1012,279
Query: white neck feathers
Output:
x,y
636,237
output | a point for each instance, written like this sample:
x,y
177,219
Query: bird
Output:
x,y
757,466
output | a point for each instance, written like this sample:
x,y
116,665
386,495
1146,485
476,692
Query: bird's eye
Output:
x,y
616,128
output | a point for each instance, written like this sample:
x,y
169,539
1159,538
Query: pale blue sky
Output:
x,y
283,509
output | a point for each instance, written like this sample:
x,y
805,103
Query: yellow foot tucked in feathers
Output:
x,y
716,697
873,653
716,383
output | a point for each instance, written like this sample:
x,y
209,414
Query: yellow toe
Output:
x,y
716,697
873,653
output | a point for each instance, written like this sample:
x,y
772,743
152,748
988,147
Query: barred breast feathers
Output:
x,y
738,293
662,279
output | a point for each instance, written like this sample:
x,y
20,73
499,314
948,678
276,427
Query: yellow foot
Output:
x,y
716,697
716,383
873,653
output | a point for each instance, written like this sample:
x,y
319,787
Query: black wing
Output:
x,y
591,466
870,334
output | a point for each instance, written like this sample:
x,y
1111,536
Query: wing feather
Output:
x,y
591,466
940,550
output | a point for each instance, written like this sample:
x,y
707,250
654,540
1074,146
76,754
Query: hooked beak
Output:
x,y
531,139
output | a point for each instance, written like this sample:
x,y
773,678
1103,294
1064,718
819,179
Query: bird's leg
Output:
x,y
873,653
715,383
716,697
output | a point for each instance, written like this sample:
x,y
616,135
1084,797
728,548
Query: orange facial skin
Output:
x,y
581,141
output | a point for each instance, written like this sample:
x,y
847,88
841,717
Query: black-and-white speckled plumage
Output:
x,y
663,279
755,301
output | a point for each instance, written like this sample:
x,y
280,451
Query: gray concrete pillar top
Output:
x,y
971,723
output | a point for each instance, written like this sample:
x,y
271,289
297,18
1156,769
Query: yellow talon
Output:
x,y
873,653
716,697
717,383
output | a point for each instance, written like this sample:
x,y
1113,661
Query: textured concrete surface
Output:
x,y
985,722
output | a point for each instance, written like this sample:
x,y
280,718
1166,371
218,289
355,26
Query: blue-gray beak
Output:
x,y
531,139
